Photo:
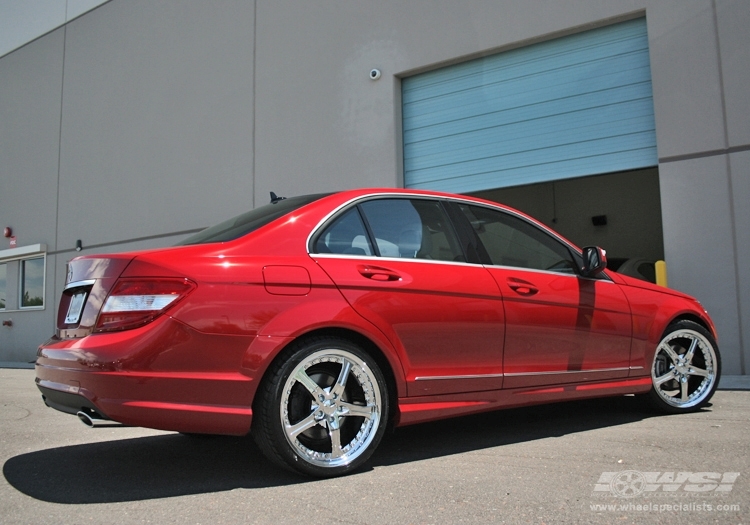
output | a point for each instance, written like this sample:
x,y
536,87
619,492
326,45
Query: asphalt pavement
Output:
x,y
597,461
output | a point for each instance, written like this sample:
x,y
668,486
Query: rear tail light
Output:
x,y
135,302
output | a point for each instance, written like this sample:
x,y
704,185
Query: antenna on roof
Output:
x,y
275,198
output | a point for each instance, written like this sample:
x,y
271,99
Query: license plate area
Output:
x,y
75,307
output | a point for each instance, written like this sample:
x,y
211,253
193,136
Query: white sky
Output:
x,y
23,20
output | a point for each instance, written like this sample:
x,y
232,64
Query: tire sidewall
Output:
x,y
270,415
656,398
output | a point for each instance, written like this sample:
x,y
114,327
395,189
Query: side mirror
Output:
x,y
594,261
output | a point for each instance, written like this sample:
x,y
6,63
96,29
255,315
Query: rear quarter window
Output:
x,y
250,221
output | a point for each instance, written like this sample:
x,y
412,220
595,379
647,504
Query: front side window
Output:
x,y
32,282
511,241
3,284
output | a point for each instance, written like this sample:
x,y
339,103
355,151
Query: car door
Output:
x,y
560,327
398,262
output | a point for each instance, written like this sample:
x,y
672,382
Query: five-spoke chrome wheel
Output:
x,y
686,368
324,408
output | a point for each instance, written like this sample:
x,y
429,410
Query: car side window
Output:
x,y
511,241
345,235
412,228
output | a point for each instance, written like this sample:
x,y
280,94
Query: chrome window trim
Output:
x,y
549,272
546,230
337,209
381,260
355,200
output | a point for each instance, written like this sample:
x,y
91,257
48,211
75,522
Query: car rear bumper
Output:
x,y
65,401
165,375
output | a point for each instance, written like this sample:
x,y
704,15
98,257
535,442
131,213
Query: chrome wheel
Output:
x,y
330,408
686,367
324,409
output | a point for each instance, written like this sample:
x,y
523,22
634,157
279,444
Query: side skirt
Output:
x,y
430,408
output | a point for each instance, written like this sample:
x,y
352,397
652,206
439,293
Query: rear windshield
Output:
x,y
247,222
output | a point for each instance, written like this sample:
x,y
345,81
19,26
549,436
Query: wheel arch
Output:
x,y
694,318
651,327
395,383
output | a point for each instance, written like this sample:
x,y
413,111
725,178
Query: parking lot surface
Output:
x,y
600,461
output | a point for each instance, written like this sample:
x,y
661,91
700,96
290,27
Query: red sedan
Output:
x,y
314,322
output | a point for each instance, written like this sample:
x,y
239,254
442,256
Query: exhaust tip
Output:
x,y
93,420
85,419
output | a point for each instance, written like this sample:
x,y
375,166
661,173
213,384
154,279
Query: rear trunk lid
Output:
x,y
89,279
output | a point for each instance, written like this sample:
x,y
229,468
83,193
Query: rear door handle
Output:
x,y
376,273
522,287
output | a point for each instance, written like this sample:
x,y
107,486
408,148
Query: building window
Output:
x,y
3,285
22,278
32,282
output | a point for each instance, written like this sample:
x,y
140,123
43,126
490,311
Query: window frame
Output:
x,y
485,258
333,220
441,203
4,304
14,259
22,281
474,250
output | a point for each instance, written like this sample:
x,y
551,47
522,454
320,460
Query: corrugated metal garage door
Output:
x,y
574,106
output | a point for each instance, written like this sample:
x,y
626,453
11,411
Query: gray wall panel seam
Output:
x,y
732,215
59,169
704,154
128,241
254,117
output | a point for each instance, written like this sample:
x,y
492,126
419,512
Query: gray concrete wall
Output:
x,y
732,21
157,119
700,61
739,168
699,245
30,98
142,119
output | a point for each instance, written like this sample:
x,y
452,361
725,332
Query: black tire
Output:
x,y
322,408
686,368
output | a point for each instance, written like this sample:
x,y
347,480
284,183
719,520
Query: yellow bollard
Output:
x,y
661,273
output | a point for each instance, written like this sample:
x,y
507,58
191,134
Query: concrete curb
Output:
x,y
734,383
